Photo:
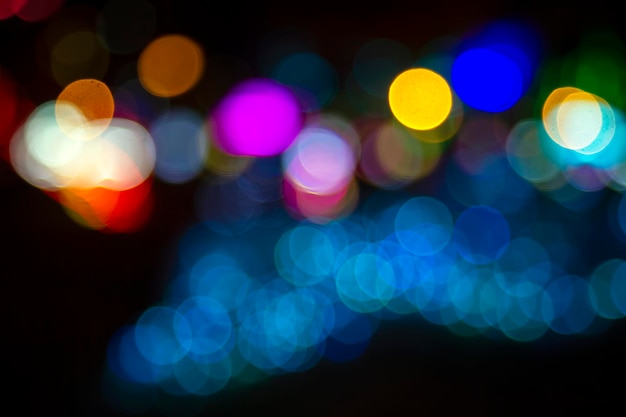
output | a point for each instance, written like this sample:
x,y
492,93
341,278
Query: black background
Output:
x,y
66,289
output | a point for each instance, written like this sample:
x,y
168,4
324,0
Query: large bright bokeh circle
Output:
x,y
487,80
420,98
258,118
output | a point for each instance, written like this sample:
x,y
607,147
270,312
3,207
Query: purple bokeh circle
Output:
x,y
258,117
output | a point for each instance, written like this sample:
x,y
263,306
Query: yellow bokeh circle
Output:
x,y
420,99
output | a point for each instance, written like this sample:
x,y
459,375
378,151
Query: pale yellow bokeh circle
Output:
x,y
420,98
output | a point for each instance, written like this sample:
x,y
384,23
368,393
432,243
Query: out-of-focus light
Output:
x,y
181,143
606,153
121,157
487,80
578,120
525,154
480,138
599,50
10,109
447,129
320,208
126,27
618,288
133,102
392,157
9,7
222,163
125,360
571,307
106,210
258,117
524,259
82,102
35,10
423,225
319,161
170,65
496,65
365,282
207,328
481,234
420,98
496,184
163,335
305,255
600,285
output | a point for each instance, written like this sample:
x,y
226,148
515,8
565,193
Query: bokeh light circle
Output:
x,y
170,65
420,98
487,80
258,117
81,102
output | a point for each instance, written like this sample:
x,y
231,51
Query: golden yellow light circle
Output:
x,y
80,104
420,98
170,65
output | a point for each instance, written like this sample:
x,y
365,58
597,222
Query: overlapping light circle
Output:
x,y
295,260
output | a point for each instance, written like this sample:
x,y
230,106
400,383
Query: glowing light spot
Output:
x,y
420,98
36,10
618,288
10,104
423,225
486,80
319,161
305,255
181,144
600,289
447,129
170,65
578,120
525,154
82,102
126,361
206,328
481,234
120,158
496,65
197,377
158,335
9,7
109,211
392,158
258,117
365,282
319,208
572,309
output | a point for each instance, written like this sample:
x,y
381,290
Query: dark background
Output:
x,y
66,289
